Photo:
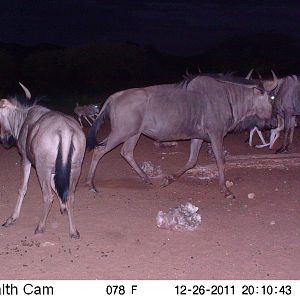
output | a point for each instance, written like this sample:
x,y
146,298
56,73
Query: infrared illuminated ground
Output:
x,y
238,239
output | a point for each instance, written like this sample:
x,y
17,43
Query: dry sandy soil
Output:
x,y
244,238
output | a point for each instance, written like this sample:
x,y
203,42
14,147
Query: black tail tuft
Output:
x,y
92,134
62,173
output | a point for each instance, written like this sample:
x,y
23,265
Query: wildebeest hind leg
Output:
x,y
22,191
62,206
74,234
44,178
99,151
127,153
194,152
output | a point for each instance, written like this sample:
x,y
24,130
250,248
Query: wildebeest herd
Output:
x,y
204,107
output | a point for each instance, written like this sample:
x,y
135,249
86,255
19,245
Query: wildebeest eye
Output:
x,y
272,97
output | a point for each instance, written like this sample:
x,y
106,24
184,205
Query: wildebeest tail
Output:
x,y
63,172
92,133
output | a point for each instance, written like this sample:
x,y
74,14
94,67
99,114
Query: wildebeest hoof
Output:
x,y
39,230
63,211
282,150
167,180
147,180
229,196
75,235
8,222
93,189
227,193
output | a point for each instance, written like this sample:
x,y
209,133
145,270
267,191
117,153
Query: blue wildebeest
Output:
x,y
274,132
53,143
88,112
287,105
286,111
199,108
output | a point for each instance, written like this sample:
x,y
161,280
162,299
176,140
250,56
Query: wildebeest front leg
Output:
x,y
292,129
79,120
253,130
111,142
86,118
26,166
127,153
217,146
97,154
194,152
287,127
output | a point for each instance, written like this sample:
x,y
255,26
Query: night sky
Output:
x,y
177,27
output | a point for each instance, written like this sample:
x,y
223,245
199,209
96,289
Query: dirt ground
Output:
x,y
244,238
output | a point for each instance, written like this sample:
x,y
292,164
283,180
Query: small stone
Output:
x,y
272,222
229,183
251,196
47,244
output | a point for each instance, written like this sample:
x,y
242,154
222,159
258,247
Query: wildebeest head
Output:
x,y
265,90
257,109
6,132
261,97
270,87
7,109
97,108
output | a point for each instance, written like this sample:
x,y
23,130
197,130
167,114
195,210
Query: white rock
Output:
x,y
229,183
183,218
150,169
47,244
251,196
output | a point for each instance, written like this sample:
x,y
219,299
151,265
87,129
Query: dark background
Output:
x,y
81,51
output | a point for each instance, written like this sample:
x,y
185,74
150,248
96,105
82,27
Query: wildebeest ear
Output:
x,y
5,103
258,92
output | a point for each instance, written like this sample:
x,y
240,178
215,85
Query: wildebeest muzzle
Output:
x,y
7,141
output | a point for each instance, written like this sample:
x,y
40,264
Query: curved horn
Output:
x,y
295,77
27,93
259,76
274,75
187,72
249,74
199,70
271,85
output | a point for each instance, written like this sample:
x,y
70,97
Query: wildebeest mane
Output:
x,y
236,80
227,77
23,102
